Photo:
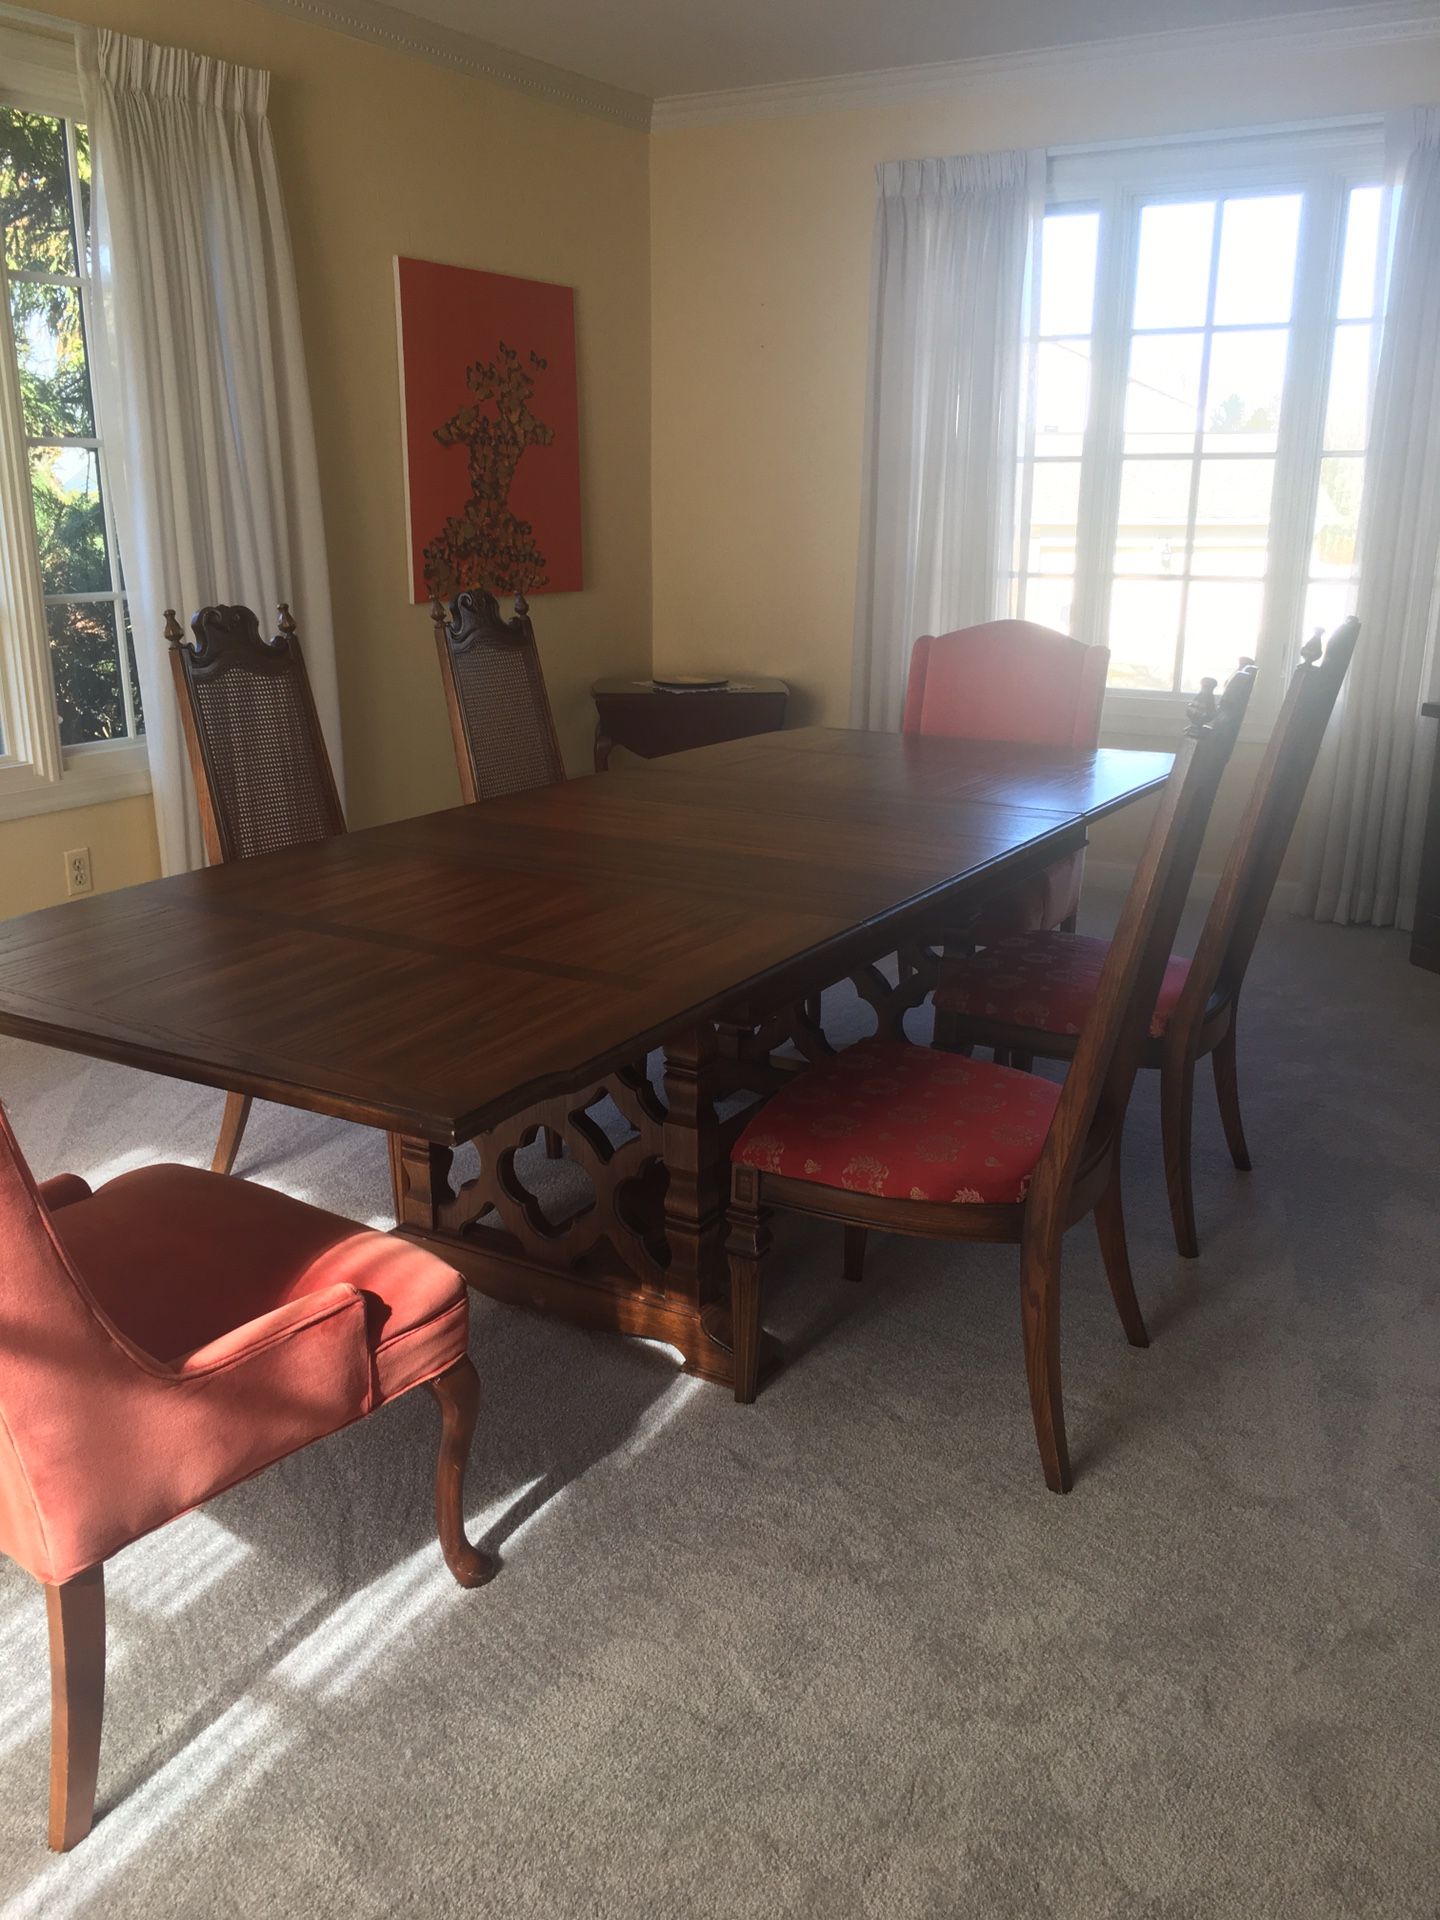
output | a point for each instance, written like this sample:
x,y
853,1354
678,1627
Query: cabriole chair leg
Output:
x,y
457,1392
75,1612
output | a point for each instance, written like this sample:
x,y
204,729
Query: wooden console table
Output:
x,y
651,722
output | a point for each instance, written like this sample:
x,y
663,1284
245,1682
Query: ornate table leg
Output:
x,y
695,1200
419,1181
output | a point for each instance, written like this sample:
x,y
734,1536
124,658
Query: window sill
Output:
x,y
92,776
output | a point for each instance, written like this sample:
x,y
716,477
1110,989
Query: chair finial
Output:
x,y
1202,709
286,628
1313,647
174,632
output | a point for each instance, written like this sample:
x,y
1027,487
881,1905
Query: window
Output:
x,y
1201,351
71,723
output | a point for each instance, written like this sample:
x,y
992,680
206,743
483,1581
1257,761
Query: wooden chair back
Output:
x,y
1108,1053
1007,680
1257,852
500,718
262,776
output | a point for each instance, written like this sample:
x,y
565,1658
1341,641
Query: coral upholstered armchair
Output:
x,y
1012,680
169,1335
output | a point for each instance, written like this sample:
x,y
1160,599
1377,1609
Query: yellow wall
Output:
x,y
120,836
383,154
761,285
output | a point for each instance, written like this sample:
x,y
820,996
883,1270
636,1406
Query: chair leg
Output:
x,y
457,1392
554,1145
1040,1321
1177,1102
1227,1092
1022,1062
1114,1251
232,1125
855,1238
943,1036
746,1244
1070,922
75,1611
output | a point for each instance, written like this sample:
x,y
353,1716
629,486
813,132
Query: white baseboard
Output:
x,y
1113,876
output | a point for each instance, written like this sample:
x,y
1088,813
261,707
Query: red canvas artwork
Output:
x,y
492,440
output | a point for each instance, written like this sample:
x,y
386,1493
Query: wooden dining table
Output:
x,y
502,973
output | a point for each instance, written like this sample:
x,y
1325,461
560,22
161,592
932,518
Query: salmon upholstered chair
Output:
x,y
167,1336
1012,680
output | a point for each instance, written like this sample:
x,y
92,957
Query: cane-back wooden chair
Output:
x,y
1030,994
263,779
915,1141
500,719
130,1394
1013,680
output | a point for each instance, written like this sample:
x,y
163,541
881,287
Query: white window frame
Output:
x,y
37,774
1323,161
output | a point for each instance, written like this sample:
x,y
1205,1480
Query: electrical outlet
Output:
x,y
78,878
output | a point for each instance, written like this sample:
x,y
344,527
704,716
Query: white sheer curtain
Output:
x,y
200,376
1368,819
952,238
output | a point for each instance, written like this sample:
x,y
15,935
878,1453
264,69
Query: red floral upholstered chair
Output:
x,y
1031,994
165,1337
1012,680
916,1141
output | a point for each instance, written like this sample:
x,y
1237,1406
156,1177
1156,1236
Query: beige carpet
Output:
x,y
838,1654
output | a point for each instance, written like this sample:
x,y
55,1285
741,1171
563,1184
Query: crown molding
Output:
x,y
461,52
1331,30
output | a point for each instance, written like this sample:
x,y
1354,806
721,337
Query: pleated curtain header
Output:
x,y
170,73
963,173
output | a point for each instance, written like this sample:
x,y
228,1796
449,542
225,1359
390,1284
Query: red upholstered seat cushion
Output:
x,y
906,1122
177,1256
1044,980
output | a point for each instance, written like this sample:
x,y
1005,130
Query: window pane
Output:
x,y
1144,626
1162,395
69,520
1327,603
1337,519
1222,621
1247,378
1256,280
1062,396
35,193
1050,603
85,661
1154,516
1232,517
1054,510
1172,276
1362,244
1347,413
50,349
1068,243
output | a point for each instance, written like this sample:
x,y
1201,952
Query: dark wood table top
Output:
x,y
436,975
